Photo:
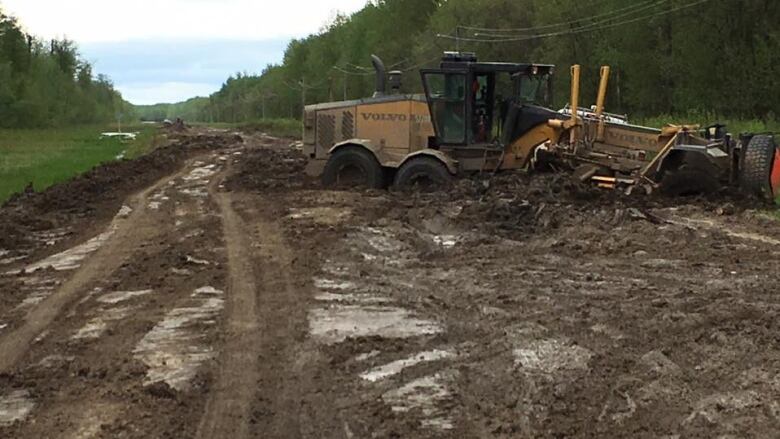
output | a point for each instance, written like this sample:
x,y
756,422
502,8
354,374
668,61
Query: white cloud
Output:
x,y
122,20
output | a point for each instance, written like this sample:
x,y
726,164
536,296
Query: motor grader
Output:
x,y
494,116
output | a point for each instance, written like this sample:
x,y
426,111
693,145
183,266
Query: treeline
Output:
x,y
716,57
47,84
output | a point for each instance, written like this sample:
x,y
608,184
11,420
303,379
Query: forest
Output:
x,y
697,58
46,84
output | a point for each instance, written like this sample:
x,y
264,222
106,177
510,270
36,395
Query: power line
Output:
x,y
631,8
588,28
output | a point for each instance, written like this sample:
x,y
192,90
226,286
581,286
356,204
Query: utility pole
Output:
x,y
303,99
345,86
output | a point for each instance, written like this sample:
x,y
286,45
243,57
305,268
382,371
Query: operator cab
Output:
x,y
478,104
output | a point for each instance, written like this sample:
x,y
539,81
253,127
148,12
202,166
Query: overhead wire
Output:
x,y
631,8
583,29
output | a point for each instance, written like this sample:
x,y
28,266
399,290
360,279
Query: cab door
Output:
x,y
446,92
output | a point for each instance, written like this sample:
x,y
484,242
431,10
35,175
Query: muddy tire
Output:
x,y
423,172
353,166
694,176
757,162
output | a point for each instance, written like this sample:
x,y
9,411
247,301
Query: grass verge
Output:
x,y
45,157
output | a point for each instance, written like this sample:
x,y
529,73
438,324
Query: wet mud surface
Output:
x,y
219,293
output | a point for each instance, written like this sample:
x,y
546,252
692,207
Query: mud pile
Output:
x,y
265,167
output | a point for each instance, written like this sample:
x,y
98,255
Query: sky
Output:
x,y
171,50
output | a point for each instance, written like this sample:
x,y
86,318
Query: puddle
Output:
x,y
397,367
337,323
37,290
174,349
55,361
51,237
198,192
122,296
327,284
70,259
352,298
446,241
367,356
382,241
200,173
196,261
97,326
321,215
124,212
3,326
15,406
550,356
423,395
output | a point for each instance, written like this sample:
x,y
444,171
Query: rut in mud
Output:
x,y
214,291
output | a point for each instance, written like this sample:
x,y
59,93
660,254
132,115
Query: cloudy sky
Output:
x,y
171,50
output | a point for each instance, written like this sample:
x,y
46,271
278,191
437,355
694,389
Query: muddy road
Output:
x,y
209,290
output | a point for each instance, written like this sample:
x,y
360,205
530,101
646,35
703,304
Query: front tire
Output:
x,y
425,172
353,166
757,163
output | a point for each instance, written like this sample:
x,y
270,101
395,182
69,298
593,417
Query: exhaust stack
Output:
x,y
381,76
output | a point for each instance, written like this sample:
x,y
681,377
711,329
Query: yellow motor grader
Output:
x,y
491,116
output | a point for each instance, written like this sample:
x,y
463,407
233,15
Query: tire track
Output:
x,y
129,232
228,410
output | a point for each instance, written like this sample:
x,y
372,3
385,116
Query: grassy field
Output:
x,y
49,156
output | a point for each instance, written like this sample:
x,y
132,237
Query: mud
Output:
x,y
235,298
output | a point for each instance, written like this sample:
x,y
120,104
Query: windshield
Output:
x,y
535,90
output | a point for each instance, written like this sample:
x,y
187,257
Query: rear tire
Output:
x,y
425,172
353,166
757,162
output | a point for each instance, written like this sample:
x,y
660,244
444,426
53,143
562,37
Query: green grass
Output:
x,y
735,126
45,157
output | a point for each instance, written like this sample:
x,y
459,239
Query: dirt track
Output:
x,y
212,291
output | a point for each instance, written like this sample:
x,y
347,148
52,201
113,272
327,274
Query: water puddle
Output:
x,y
352,298
327,284
397,367
97,326
367,356
321,215
158,199
424,395
446,241
3,326
124,212
37,290
201,173
174,349
549,356
70,259
15,406
122,296
337,323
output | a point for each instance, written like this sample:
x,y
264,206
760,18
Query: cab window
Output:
x,y
447,98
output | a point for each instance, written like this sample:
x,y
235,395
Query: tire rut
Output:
x,y
228,410
129,232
